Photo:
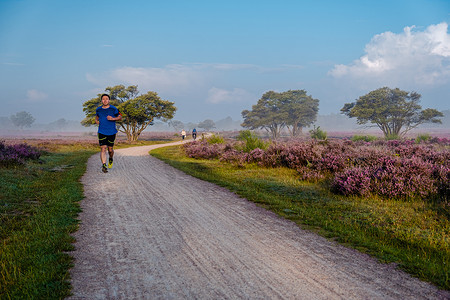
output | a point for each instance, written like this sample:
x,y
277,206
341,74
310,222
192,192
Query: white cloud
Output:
x,y
177,78
172,78
195,82
230,67
35,95
411,58
216,95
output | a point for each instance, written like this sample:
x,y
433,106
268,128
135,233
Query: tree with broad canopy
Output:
x,y
208,124
300,110
22,119
138,111
394,111
293,109
177,125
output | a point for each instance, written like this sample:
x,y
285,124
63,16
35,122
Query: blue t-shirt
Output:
x,y
106,126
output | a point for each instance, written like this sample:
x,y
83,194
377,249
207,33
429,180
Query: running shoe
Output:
x,y
104,169
110,163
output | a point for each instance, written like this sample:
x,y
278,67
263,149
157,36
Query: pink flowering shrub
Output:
x,y
17,154
441,174
393,178
353,181
394,169
203,149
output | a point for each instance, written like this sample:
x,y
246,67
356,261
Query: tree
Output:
x,y
293,109
265,114
58,124
300,110
138,112
177,125
190,126
391,110
22,119
207,125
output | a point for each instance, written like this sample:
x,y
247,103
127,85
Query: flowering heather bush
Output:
x,y
202,149
441,174
354,181
398,169
233,156
396,177
256,155
16,154
406,177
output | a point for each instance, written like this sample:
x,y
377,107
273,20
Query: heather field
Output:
x,y
386,198
392,169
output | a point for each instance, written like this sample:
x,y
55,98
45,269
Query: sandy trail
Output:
x,y
149,231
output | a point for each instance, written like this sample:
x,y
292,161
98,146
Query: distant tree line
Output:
x,y
20,119
207,125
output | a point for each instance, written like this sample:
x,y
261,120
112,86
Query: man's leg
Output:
x,y
103,158
111,155
103,153
110,151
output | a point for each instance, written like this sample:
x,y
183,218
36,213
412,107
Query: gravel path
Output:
x,y
149,231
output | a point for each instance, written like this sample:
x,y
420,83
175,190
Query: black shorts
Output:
x,y
106,140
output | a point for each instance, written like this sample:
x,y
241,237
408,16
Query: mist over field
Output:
x,y
336,125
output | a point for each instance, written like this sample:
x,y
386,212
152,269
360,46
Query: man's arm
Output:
x,y
111,118
96,120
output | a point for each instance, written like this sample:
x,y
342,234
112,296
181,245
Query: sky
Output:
x,y
215,59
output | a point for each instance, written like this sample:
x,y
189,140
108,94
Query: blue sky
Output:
x,y
216,58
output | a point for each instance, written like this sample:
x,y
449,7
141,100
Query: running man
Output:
x,y
194,134
106,117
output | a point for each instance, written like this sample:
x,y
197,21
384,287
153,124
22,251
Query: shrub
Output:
x,y
393,177
354,181
202,149
365,138
251,141
403,178
215,139
17,154
392,137
318,134
442,176
395,169
423,138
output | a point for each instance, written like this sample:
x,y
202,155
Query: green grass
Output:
x,y
38,208
39,205
414,234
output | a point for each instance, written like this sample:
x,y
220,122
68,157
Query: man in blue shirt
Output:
x,y
106,117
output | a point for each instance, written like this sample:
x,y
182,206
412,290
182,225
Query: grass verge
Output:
x,y
39,207
414,235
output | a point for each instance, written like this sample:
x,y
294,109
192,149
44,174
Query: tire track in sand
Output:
x,y
149,231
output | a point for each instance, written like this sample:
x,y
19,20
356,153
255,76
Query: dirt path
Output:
x,y
148,231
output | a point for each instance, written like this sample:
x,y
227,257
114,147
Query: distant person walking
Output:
x,y
183,134
194,133
106,117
